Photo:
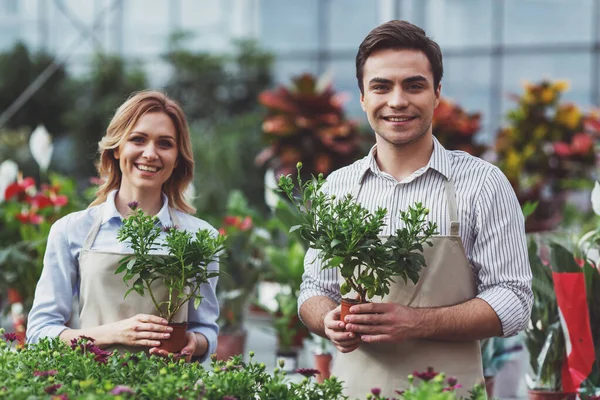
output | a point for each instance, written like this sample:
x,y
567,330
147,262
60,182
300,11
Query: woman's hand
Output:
x,y
141,330
192,347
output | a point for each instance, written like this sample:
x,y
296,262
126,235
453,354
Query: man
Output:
x,y
477,282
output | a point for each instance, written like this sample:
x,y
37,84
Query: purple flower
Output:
x,y
133,205
376,391
51,372
308,372
120,389
452,381
10,337
169,228
427,375
61,397
52,388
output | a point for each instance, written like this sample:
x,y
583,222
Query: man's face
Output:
x,y
399,96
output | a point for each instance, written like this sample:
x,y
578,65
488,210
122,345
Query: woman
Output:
x,y
145,156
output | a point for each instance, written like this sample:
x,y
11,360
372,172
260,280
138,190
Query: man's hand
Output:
x,y
344,341
382,322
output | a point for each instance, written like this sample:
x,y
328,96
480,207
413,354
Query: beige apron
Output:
x,y
447,280
101,291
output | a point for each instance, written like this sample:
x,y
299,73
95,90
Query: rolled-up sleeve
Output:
x,y
204,319
52,305
500,254
317,281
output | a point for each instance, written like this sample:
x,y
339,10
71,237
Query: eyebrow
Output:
x,y
410,79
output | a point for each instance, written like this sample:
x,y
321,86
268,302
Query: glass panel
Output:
x,y
459,22
145,26
548,21
285,69
289,25
343,73
351,21
467,82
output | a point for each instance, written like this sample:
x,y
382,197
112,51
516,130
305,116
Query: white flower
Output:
x,y
8,174
271,198
40,145
596,198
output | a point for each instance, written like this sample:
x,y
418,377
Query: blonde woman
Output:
x,y
145,156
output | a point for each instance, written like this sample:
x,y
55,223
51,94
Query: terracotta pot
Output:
x,y
346,304
323,364
231,344
547,395
178,339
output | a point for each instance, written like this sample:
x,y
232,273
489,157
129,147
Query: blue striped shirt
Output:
x,y
492,226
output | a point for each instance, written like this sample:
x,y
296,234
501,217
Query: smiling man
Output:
x,y
477,282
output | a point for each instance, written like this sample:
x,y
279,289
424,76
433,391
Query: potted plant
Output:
x,y
456,129
323,357
546,149
182,271
305,122
241,270
347,236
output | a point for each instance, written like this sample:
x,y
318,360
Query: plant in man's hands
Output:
x,y
347,236
182,271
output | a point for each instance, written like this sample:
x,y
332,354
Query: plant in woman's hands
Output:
x,y
182,271
347,237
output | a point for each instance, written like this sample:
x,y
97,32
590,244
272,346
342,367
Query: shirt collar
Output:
x,y
439,161
110,210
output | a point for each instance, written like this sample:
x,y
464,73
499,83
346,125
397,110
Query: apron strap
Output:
x,y
452,207
91,236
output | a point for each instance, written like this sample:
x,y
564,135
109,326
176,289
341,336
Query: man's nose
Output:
x,y
397,99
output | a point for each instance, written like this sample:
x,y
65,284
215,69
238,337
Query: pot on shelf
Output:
x,y
549,395
231,344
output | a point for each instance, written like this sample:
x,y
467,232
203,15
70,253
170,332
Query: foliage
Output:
x,y
83,371
347,236
224,161
548,145
456,129
26,216
182,271
109,83
244,264
18,69
305,123
216,87
544,338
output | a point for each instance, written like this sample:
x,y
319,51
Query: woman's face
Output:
x,y
149,154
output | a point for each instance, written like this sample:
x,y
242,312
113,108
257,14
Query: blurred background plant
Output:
x,y
546,149
456,129
305,122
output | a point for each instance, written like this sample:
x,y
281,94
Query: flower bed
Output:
x,y
52,369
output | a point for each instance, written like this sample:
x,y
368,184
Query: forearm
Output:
x,y
313,311
471,320
100,334
201,345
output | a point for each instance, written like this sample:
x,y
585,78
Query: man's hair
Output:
x,y
399,35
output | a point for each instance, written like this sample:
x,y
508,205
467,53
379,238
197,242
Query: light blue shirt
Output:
x,y
59,281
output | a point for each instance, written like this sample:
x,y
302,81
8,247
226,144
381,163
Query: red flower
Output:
x,y
30,217
19,188
562,149
232,220
427,375
246,223
51,372
10,336
40,201
582,143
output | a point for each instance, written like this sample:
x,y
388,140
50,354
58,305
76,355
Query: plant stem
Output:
x,y
153,299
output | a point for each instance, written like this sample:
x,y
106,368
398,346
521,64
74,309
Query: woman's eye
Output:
x,y
137,139
166,144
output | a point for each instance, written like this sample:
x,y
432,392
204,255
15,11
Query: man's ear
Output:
x,y
362,101
438,93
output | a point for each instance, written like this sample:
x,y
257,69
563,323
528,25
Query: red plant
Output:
x,y
455,128
306,123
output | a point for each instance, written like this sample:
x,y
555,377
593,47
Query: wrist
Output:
x,y
201,344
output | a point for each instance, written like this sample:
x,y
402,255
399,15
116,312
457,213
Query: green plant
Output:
x,y
244,265
182,271
347,235
544,337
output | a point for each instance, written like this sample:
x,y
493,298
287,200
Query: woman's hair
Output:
x,y
121,125
399,35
